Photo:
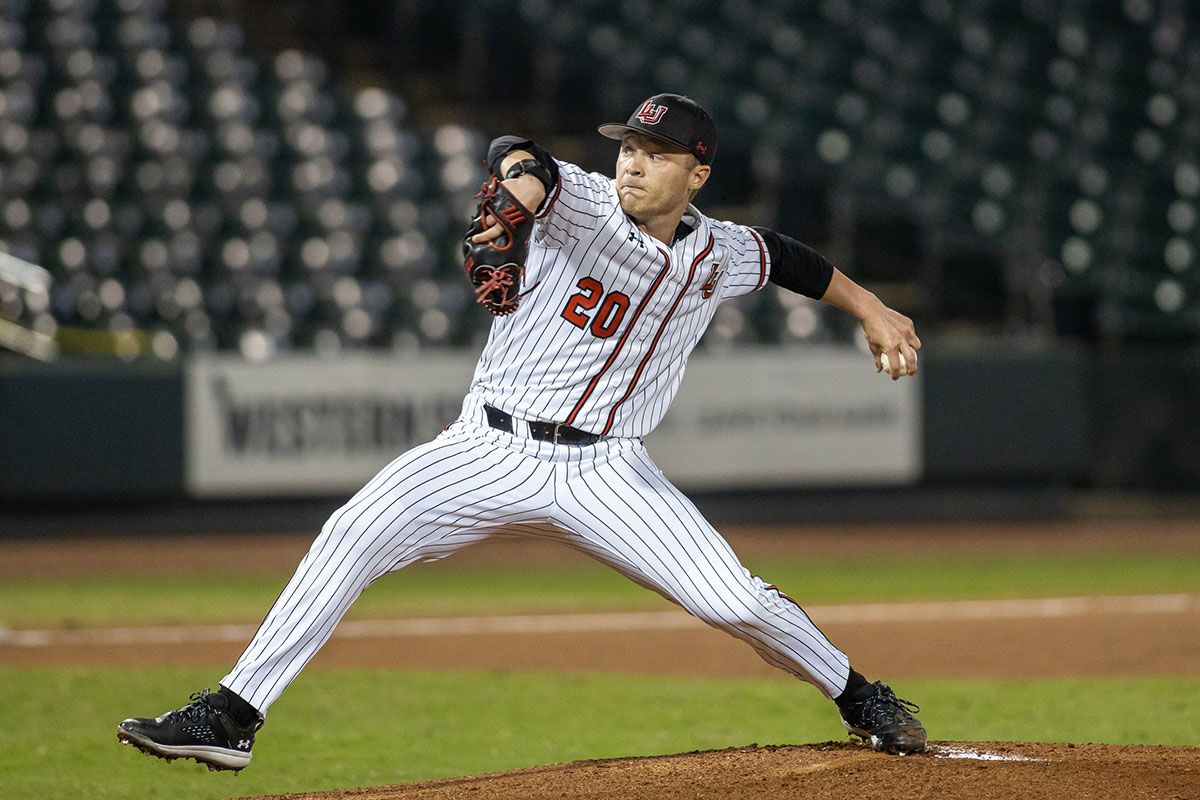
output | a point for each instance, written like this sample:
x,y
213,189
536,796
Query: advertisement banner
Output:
x,y
811,416
748,419
306,425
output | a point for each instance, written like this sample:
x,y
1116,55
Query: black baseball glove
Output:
x,y
496,268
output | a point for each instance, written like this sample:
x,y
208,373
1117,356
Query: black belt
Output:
x,y
556,432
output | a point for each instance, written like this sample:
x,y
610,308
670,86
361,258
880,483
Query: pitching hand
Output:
x,y
893,340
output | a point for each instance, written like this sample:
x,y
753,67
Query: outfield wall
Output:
x,y
297,426
986,415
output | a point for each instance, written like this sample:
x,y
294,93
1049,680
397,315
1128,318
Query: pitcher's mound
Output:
x,y
835,771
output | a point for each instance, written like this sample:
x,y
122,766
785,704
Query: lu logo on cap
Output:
x,y
690,127
651,112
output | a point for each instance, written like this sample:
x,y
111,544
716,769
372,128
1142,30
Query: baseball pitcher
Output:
x,y
601,287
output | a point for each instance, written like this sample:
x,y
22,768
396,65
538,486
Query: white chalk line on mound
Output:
x,y
849,614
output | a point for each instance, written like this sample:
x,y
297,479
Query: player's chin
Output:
x,y
632,203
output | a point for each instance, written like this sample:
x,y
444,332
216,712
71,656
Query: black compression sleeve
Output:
x,y
796,266
503,145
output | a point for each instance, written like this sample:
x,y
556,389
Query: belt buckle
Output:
x,y
557,426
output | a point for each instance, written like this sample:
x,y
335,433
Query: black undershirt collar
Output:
x,y
683,230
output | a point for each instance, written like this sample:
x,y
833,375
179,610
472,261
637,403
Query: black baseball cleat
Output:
x,y
203,730
886,721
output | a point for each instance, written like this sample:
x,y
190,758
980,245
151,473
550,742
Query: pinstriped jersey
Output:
x,y
601,340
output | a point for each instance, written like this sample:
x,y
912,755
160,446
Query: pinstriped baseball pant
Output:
x,y
474,482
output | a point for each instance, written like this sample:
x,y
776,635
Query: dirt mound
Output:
x,y
949,770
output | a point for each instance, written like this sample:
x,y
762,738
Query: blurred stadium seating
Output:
x,y
1027,163
172,183
1017,166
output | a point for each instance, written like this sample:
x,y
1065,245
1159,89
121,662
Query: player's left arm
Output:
x,y
530,189
890,335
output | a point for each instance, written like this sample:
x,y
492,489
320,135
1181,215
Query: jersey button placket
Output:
x,y
646,325
673,276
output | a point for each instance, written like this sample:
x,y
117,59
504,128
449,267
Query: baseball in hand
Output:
x,y
886,364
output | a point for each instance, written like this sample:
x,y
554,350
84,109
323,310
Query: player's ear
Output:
x,y
699,176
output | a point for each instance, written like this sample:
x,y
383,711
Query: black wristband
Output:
x,y
532,167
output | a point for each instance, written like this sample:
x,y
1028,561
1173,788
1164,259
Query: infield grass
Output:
x,y
340,728
446,589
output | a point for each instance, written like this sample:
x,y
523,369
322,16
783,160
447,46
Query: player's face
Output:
x,y
655,178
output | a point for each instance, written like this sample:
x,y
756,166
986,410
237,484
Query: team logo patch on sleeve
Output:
x,y
710,285
651,113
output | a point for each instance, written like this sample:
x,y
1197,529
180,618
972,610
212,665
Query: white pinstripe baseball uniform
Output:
x,y
600,345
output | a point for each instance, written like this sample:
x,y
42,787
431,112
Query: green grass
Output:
x,y
356,727
444,588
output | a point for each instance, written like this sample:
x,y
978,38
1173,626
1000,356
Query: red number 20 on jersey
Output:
x,y
606,319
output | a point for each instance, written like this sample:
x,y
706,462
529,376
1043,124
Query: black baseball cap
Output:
x,y
674,119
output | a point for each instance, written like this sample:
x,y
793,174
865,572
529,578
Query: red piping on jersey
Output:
x,y
654,343
621,342
553,197
762,260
